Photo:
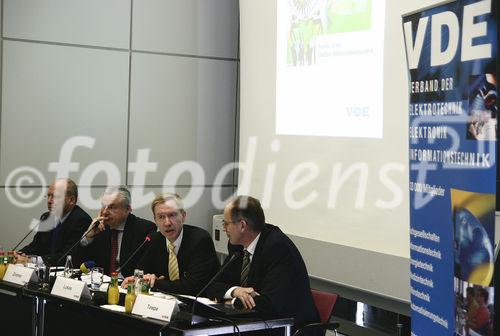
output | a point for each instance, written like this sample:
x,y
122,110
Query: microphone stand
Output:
x,y
42,219
146,240
29,232
234,256
76,243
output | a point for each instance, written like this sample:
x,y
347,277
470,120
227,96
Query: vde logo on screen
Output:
x,y
472,28
358,111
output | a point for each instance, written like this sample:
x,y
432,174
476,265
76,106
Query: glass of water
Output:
x,y
96,275
31,261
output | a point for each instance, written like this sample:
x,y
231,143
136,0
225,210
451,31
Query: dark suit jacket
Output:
x,y
196,258
134,232
278,274
70,232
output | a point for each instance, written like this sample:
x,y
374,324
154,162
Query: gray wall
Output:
x,y
135,80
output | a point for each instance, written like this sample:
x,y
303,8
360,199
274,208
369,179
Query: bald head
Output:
x,y
61,197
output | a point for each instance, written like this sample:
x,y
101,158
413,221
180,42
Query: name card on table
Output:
x,y
155,307
70,289
20,275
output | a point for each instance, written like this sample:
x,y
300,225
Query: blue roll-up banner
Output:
x,y
452,59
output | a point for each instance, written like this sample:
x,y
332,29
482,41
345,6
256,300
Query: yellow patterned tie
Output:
x,y
173,267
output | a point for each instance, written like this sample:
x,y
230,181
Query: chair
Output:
x,y
324,303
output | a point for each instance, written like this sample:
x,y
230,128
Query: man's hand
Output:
x,y
97,225
151,278
246,295
127,280
20,258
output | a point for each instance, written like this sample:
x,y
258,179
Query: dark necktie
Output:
x,y
245,269
55,237
114,251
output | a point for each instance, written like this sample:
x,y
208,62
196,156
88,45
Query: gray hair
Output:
x,y
123,192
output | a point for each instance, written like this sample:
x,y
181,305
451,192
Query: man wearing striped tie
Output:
x,y
270,275
180,258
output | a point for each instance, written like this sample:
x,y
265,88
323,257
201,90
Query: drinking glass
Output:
x,y
96,275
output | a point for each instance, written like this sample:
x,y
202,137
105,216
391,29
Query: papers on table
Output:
x,y
116,308
203,300
86,279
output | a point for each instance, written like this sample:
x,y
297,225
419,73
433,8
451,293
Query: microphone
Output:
x,y
234,256
87,266
146,240
92,226
42,219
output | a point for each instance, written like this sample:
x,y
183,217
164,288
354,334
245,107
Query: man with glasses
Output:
x,y
181,258
115,234
60,227
269,275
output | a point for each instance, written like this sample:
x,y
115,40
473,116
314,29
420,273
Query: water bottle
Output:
x,y
68,267
40,272
138,279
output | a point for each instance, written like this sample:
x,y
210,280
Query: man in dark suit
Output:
x,y
270,275
116,233
181,258
60,227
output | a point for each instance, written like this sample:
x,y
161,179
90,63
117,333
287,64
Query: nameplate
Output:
x,y
70,289
155,307
19,275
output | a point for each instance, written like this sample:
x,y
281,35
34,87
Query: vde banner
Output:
x,y
452,53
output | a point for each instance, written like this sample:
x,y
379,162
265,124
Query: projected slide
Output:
x,y
329,70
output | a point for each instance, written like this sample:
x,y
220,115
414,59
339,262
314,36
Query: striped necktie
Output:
x,y
245,269
173,266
